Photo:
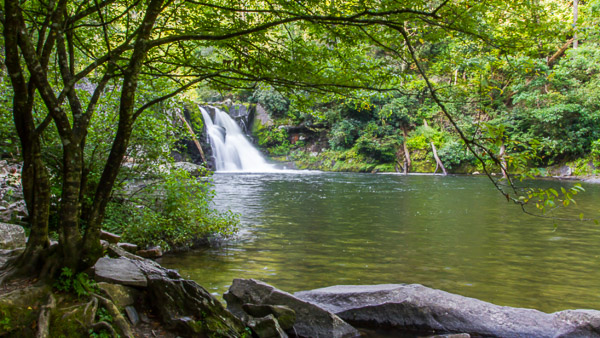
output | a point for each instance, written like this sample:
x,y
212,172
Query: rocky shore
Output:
x,y
145,300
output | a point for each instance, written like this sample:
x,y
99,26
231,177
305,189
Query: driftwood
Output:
x,y
196,142
407,162
560,52
438,162
503,160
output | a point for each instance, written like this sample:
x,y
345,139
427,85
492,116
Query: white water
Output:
x,y
231,149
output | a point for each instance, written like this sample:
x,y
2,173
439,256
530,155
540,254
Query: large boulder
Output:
x,y
311,320
419,308
11,236
186,306
120,270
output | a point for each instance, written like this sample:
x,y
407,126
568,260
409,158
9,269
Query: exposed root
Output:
x,y
118,318
43,324
37,262
89,318
96,327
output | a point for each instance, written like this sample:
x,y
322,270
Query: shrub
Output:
x,y
174,213
272,100
343,134
455,153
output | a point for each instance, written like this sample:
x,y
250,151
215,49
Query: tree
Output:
x,y
63,55
54,49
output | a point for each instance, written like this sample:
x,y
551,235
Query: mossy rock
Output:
x,y
66,320
20,309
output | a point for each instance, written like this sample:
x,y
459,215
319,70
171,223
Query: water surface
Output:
x,y
307,230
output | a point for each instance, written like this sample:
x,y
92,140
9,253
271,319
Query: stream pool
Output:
x,y
303,230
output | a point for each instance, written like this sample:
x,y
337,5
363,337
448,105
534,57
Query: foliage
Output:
x,y
5,322
85,75
174,212
454,154
78,283
546,200
274,139
273,101
378,142
344,133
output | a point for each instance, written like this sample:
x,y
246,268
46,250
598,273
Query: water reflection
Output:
x,y
303,231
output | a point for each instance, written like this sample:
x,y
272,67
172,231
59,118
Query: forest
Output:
x,y
94,96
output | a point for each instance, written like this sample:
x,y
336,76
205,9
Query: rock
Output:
x,y
132,248
132,314
116,251
119,271
194,169
109,237
9,255
104,244
121,295
416,307
263,116
151,253
311,320
17,312
185,305
11,236
267,327
284,315
577,323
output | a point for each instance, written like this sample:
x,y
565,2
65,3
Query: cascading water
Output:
x,y
231,149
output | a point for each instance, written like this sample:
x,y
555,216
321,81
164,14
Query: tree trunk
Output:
x,y
91,249
70,206
575,14
34,176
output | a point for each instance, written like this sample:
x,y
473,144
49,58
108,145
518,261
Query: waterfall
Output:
x,y
231,149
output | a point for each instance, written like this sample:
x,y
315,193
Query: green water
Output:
x,y
308,230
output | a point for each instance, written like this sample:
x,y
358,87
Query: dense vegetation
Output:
x,y
536,95
96,89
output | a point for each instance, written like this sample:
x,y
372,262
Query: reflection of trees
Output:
x,y
445,232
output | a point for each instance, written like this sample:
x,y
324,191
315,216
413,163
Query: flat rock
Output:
x,y
12,236
129,247
110,237
419,308
119,271
311,320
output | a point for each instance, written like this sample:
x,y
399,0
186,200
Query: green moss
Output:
x,y
386,167
20,309
64,322
422,162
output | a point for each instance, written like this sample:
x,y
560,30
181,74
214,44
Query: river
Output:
x,y
305,230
